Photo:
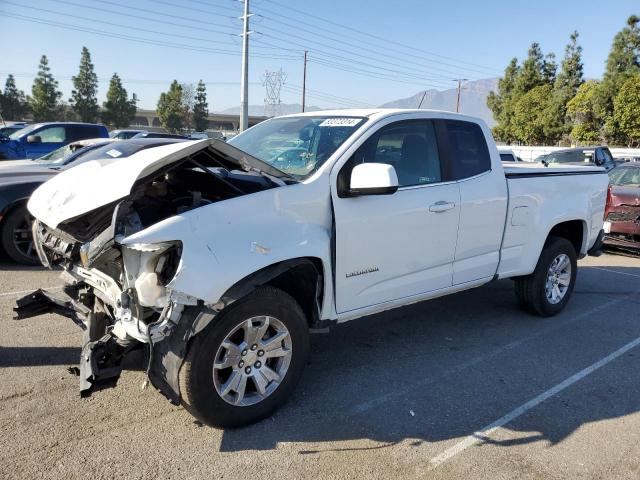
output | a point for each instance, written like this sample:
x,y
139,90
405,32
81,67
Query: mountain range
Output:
x,y
473,101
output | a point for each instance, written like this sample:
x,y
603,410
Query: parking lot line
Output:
x,y
485,432
381,399
615,271
22,292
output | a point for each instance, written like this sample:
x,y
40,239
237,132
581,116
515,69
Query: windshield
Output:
x,y
23,131
58,155
577,156
297,146
626,176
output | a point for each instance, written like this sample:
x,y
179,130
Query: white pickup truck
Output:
x,y
221,258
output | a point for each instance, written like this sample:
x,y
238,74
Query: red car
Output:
x,y
622,213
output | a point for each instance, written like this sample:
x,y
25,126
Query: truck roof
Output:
x,y
378,113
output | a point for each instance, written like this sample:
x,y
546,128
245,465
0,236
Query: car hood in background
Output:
x,y
25,174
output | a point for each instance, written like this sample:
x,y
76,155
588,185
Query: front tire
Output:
x,y
547,290
16,237
248,360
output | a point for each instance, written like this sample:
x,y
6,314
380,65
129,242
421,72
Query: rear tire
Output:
x,y
547,290
16,237
237,356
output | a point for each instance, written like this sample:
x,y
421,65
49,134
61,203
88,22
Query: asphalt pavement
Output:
x,y
465,386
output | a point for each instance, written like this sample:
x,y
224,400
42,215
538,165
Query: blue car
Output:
x,y
39,139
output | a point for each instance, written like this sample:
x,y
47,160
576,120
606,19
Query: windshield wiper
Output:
x,y
275,180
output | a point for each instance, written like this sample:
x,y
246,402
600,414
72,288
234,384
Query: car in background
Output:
x,y
622,213
587,156
124,134
59,157
37,140
19,179
145,134
7,130
198,135
507,155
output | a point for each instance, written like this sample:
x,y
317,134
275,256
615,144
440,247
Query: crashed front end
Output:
x,y
118,294
117,289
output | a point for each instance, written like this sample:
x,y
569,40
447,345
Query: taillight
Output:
x,y
607,205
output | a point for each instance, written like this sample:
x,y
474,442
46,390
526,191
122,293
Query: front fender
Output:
x,y
225,242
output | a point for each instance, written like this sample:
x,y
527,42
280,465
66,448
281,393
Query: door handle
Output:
x,y
441,206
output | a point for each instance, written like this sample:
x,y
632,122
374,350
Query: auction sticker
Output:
x,y
340,122
113,153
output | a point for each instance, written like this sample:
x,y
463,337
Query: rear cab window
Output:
x,y
468,150
82,132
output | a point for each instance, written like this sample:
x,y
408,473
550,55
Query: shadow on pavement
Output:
x,y
443,369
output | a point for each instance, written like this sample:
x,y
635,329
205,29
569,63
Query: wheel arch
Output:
x,y
573,230
302,278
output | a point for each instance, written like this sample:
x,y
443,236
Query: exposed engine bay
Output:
x,y
120,294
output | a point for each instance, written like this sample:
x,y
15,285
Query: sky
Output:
x,y
361,52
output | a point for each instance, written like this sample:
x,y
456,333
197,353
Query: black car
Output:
x,y
19,179
586,156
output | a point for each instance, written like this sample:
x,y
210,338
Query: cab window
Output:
x,y
51,135
410,147
468,147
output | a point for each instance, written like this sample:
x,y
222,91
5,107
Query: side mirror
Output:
x,y
373,179
34,139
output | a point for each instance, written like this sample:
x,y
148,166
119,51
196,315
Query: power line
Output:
x,y
360,47
127,80
370,35
140,39
119,25
370,74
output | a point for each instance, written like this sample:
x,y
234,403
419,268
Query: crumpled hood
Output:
x,y
93,184
96,183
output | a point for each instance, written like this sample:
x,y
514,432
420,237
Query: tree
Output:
x,y
586,113
627,110
45,97
201,108
188,103
501,103
532,73
549,68
531,115
83,97
118,111
622,63
566,86
13,103
170,109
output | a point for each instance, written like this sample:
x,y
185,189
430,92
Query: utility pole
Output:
x,y
244,87
459,80
304,81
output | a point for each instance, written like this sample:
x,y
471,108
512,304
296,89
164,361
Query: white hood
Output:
x,y
93,184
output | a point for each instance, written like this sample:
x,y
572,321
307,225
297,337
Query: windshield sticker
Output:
x,y
113,153
340,122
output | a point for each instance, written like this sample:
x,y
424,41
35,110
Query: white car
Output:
x,y
222,256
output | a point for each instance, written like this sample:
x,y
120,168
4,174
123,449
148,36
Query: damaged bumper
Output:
x,y
122,311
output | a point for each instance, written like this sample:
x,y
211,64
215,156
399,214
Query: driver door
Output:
x,y
403,244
